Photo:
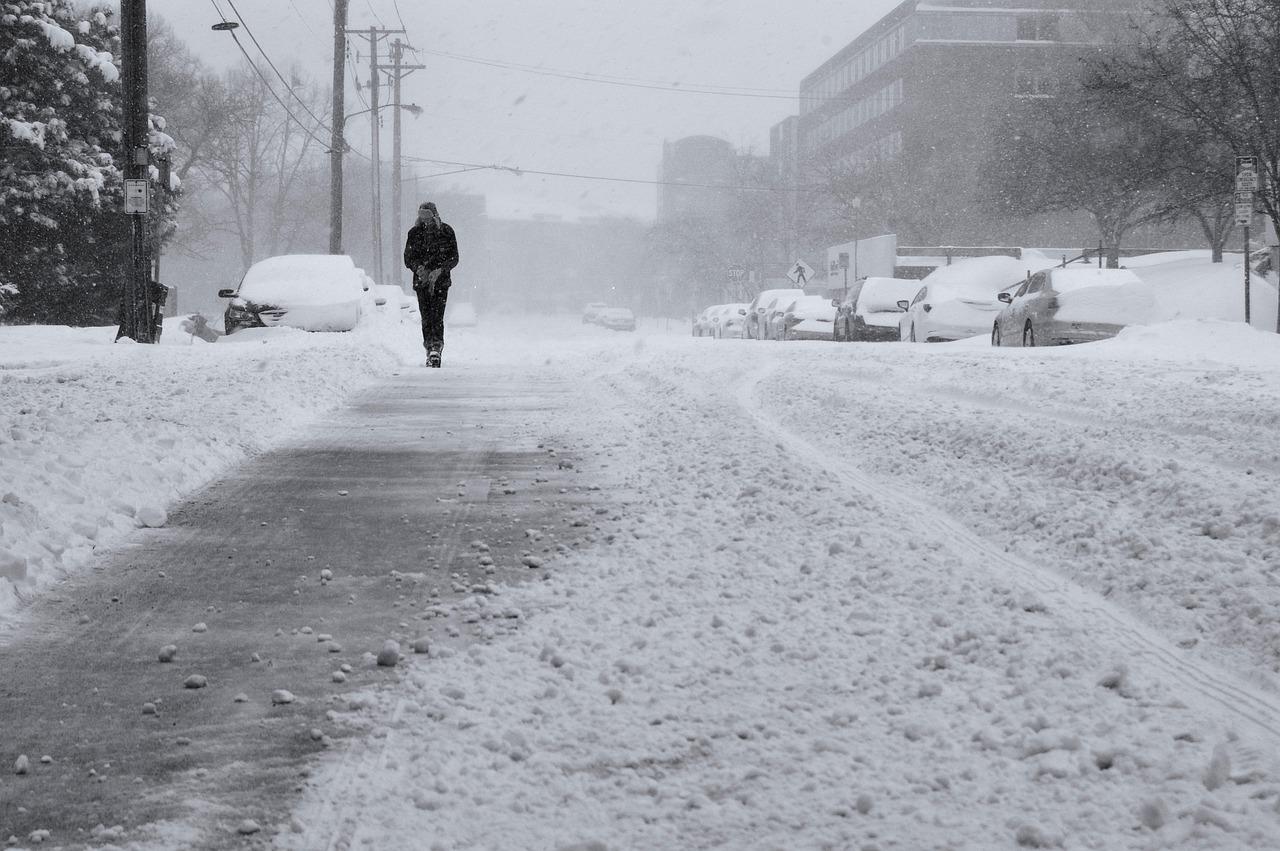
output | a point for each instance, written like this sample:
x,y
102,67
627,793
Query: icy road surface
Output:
x,y
871,597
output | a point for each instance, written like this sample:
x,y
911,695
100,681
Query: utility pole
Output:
x,y
375,90
374,35
136,319
337,144
398,72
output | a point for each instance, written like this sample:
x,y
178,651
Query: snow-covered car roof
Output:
x,y
1066,280
975,277
619,312
303,279
881,295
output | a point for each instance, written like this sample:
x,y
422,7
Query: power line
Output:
x,y
267,83
373,12
288,87
724,91
519,171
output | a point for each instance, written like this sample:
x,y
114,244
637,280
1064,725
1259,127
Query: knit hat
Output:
x,y
428,205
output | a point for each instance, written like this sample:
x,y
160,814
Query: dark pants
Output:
x,y
431,306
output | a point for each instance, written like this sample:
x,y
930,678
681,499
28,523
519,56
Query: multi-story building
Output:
x,y
692,169
923,90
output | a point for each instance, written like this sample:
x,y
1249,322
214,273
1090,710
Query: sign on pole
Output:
x,y
136,197
737,274
800,273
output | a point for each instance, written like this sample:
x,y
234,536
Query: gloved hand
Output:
x,y
434,275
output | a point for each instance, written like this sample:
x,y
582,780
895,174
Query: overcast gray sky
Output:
x,y
478,113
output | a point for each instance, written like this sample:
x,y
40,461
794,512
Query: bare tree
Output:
x,y
1215,65
266,166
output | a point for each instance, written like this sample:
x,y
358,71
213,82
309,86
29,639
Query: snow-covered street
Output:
x,y
857,596
872,597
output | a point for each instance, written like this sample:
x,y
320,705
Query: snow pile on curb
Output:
x,y
97,439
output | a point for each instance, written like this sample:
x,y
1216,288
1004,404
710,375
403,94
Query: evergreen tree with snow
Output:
x,y
64,236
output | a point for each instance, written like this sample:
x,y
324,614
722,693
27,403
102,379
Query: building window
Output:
x,y
1042,27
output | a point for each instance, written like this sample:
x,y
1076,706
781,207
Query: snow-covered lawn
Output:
x,y
871,597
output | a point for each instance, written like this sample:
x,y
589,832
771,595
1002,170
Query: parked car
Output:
x,y
617,319
1062,306
703,324
756,319
842,328
873,317
461,314
730,321
771,319
809,317
314,292
393,301
591,313
958,301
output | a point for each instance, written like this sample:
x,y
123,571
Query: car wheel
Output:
x,y
995,334
1029,335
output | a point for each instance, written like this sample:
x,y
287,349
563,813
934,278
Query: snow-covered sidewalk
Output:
x,y
869,597
98,439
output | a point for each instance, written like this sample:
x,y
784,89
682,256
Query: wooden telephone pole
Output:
x,y
139,308
398,72
375,35
337,144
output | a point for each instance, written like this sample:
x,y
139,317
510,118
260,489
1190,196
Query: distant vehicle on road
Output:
x,y
313,292
617,319
958,301
1062,306
756,324
591,313
810,317
872,312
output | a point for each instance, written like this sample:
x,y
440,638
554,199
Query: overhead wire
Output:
x,y
521,171
653,85
267,83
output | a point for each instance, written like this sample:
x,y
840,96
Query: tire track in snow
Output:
x,y
1220,692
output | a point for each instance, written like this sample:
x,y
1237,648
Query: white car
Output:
x,y
959,301
591,313
617,319
809,317
392,301
703,324
756,325
313,292
1058,307
731,320
875,314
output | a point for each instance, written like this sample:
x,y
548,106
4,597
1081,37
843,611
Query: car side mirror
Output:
x,y
835,302
904,305
742,311
226,293
1007,298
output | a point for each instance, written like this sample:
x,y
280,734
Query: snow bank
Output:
x,y
97,440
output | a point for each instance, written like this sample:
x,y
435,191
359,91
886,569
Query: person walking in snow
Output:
x,y
431,252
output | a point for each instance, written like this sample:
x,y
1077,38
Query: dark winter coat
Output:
x,y
435,248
